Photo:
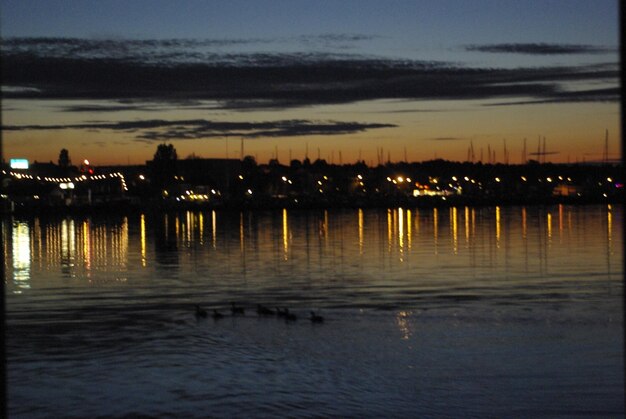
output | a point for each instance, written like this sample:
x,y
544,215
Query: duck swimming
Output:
x,y
316,318
264,311
236,310
200,312
290,316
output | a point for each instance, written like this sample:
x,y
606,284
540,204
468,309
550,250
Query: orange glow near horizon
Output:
x,y
574,133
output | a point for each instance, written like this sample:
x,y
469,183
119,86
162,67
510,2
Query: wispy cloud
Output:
x,y
541,49
160,130
446,139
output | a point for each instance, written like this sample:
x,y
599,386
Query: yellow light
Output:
x,y
549,179
142,177
284,179
86,162
524,178
609,179
497,179
454,178
400,179
359,177
408,179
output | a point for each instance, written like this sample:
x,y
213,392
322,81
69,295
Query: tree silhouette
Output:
x,y
64,159
163,166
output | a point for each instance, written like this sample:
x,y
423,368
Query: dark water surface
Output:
x,y
473,312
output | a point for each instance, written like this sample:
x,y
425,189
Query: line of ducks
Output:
x,y
261,311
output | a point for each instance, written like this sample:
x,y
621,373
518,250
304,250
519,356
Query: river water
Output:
x,y
449,312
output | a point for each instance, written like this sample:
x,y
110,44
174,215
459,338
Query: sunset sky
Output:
x,y
110,80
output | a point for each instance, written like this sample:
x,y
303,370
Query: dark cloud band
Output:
x,y
541,49
252,81
161,130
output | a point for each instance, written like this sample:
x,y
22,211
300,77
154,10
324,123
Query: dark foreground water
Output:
x,y
461,312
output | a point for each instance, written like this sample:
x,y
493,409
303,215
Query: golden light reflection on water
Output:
x,y
467,225
498,227
21,253
455,232
142,239
360,224
436,229
409,233
68,245
609,224
404,325
86,236
214,229
401,233
549,225
389,230
83,248
201,228
524,224
285,235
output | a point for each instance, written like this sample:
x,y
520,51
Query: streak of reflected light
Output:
x,y
436,230
467,225
87,247
549,221
21,256
360,218
285,235
389,230
404,324
455,231
201,227
409,222
524,223
401,233
498,227
142,232
214,228
241,233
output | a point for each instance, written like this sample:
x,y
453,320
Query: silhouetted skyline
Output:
x,y
343,81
